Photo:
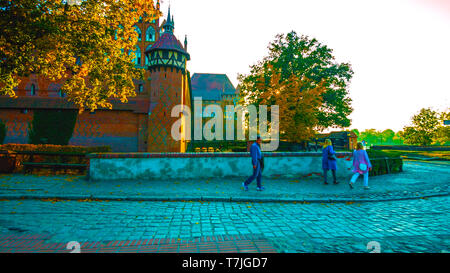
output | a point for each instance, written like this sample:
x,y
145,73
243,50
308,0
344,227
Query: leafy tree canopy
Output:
x,y
427,128
88,46
299,58
386,137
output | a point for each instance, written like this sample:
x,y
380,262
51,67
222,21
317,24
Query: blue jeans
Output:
x,y
256,174
366,178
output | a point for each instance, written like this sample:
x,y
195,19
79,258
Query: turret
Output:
x,y
168,51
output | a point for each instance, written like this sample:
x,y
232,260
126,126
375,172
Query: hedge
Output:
x,y
67,153
412,148
386,165
2,132
52,126
55,148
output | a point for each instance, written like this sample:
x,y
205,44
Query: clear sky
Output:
x,y
399,49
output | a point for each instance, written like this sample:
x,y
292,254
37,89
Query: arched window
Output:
x,y
138,30
33,90
150,35
137,59
147,60
141,88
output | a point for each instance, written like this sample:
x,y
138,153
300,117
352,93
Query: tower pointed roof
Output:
x,y
169,25
168,41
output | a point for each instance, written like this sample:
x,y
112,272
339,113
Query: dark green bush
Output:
x,y
382,166
52,126
2,132
69,154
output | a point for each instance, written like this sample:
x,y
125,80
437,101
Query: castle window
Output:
x,y
138,57
33,90
147,60
150,34
138,30
61,93
24,111
141,88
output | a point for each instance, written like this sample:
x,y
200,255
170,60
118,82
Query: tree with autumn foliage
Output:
x,y
298,103
89,46
302,77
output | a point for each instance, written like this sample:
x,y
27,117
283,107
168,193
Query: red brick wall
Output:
x,y
166,87
17,125
118,129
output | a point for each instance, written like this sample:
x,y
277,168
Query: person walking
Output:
x,y
329,161
361,165
257,159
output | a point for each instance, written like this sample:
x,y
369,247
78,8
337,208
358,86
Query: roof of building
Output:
x,y
167,40
211,86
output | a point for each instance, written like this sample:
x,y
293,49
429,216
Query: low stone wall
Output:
x,y
150,166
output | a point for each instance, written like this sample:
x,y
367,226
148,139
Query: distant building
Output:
x,y
341,140
214,89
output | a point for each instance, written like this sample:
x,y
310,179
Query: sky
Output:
x,y
398,49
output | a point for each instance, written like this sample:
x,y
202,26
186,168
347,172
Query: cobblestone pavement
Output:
x,y
418,179
420,225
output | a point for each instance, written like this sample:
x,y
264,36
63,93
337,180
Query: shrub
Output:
x,y
52,126
67,155
2,132
55,148
380,166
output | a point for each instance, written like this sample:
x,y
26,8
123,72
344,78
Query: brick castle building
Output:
x,y
141,125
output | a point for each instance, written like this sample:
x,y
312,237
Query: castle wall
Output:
x,y
16,122
118,129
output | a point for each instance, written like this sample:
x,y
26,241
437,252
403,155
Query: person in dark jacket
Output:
x,y
256,155
329,161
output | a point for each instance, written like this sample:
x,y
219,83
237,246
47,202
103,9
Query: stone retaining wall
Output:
x,y
152,166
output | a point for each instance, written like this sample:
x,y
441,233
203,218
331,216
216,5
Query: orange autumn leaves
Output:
x,y
87,48
299,100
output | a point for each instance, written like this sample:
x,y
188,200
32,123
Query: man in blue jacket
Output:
x,y
255,153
